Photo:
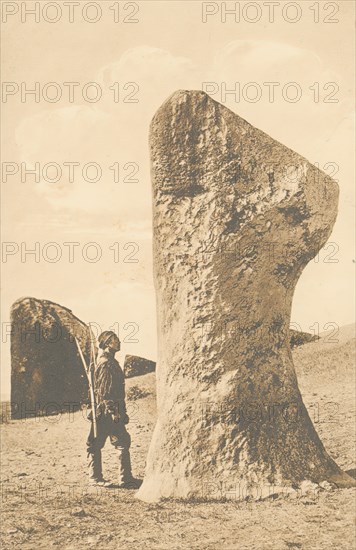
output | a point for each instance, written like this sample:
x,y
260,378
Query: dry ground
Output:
x,y
46,502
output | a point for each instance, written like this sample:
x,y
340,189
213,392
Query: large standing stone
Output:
x,y
237,216
47,374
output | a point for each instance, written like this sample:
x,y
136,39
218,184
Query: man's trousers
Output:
x,y
119,437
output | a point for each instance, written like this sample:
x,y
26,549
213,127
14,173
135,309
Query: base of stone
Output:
x,y
154,490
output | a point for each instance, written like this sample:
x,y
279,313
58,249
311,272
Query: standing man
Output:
x,y
111,415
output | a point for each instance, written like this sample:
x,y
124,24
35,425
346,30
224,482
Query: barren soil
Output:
x,y
47,503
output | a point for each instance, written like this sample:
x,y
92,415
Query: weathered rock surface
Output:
x,y
46,370
237,216
137,366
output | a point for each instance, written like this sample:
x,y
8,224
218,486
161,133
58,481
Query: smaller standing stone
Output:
x,y
137,366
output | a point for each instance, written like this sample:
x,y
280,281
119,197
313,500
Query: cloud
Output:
x,y
104,133
145,62
264,60
109,132
157,72
300,108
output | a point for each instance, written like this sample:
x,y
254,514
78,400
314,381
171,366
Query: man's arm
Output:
x,y
121,397
104,386
110,389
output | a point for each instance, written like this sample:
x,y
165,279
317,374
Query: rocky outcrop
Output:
x,y
299,338
237,216
137,366
47,374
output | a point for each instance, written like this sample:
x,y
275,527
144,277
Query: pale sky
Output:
x,y
167,49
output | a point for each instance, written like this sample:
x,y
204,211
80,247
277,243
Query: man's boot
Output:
x,y
95,468
126,479
94,465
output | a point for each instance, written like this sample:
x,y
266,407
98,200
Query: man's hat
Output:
x,y
104,338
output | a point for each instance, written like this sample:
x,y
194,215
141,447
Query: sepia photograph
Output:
x,y
178,275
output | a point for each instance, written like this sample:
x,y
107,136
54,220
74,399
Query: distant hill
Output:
x,y
332,354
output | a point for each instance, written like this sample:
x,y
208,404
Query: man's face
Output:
x,y
114,343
